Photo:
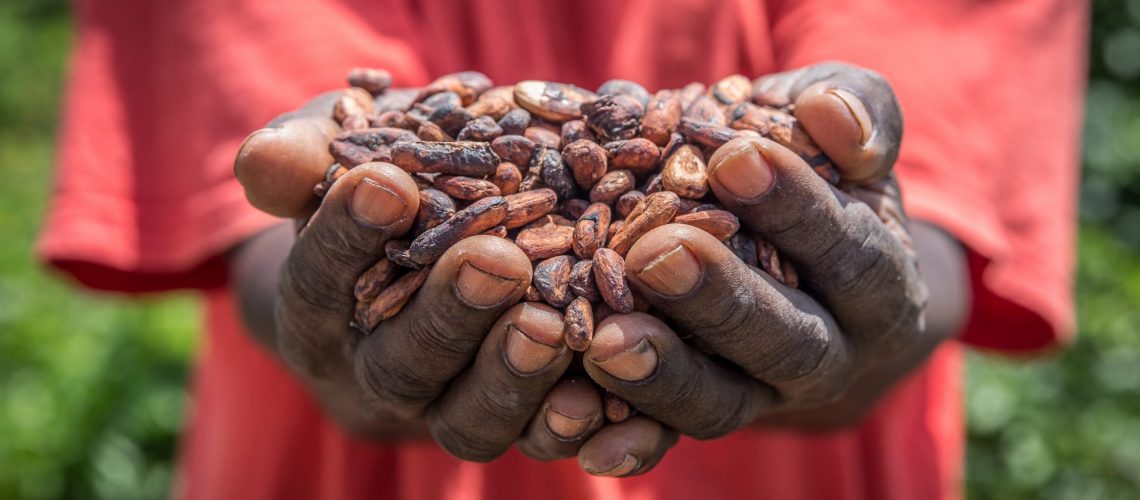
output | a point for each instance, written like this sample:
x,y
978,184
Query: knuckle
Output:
x,y
800,352
396,386
462,443
431,332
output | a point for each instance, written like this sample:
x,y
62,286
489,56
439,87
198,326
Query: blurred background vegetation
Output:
x,y
92,388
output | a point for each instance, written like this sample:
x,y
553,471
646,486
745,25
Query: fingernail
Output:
x,y
565,426
375,205
633,365
526,354
480,289
743,173
628,464
672,273
858,112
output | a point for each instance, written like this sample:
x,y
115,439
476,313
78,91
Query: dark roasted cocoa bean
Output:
x,y
514,148
552,279
435,207
573,209
576,130
475,159
582,280
373,281
476,218
556,174
515,121
397,252
614,117
390,301
625,87
483,129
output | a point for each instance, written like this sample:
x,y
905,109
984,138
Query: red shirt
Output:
x,y
161,94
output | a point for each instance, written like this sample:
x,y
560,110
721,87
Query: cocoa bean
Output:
x,y
769,260
744,247
397,252
556,102
579,324
556,174
638,155
465,188
685,173
662,115
466,84
476,218
500,231
710,136
576,130
591,229
587,160
514,148
719,223
627,201
331,175
528,206
705,110
483,129
609,275
543,136
515,121
611,186
372,282
375,81
352,102
389,302
545,241
430,132
614,117
731,89
552,279
616,409
655,210
395,100
532,294
582,280
625,87
495,103
435,207
475,159
507,177
690,93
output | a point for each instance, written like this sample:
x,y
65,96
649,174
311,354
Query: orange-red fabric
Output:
x,y
161,94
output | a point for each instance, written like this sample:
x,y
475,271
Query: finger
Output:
x,y
638,358
570,414
487,408
409,360
279,165
627,449
843,252
774,333
854,117
364,208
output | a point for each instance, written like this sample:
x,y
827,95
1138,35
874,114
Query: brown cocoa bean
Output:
x,y
688,204
514,148
507,177
616,409
587,160
611,186
731,89
719,223
653,184
791,276
375,81
352,102
552,279
527,206
573,209
545,241
786,130
483,129
476,218
710,136
662,116
395,100
638,155
500,231
609,275
744,247
532,294
615,226
591,229
690,93
465,188
331,175
397,252
576,130
769,260
430,132
435,207
495,103
395,119
705,110
475,159
624,87
627,201
466,84
582,280
515,121
685,173
542,136
614,117
556,102
655,210
372,282
579,324
390,301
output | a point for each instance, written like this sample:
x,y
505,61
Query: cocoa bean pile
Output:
x,y
573,177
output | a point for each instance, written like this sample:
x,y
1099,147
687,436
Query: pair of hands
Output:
x,y
484,372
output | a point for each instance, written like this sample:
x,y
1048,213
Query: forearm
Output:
x,y
943,263
255,272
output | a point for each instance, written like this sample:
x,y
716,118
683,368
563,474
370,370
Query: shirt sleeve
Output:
x,y
159,99
991,94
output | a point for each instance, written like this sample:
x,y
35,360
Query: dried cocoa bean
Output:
x,y
573,209
475,159
638,155
556,174
662,116
616,409
542,136
375,81
476,218
515,121
514,148
507,177
609,275
544,239
614,117
576,130
582,280
769,260
527,206
710,136
705,110
731,89
556,102
390,301
552,279
466,84
685,173
500,231
465,188
611,186
430,132
656,209
331,175
591,229
587,160
494,103
690,93
579,324
532,294
352,102
627,202
397,252
483,129
719,223
435,207
744,248
372,282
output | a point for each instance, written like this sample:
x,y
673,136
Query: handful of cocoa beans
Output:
x,y
573,177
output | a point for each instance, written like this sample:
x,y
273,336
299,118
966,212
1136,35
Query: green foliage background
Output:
x,y
92,388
